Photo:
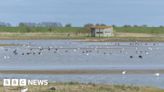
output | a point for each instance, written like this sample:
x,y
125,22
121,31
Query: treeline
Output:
x,y
141,29
58,24
3,24
45,27
40,27
59,28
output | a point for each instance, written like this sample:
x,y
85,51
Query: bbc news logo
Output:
x,y
24,82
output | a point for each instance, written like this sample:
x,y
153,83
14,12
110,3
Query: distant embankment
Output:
x,y
147,30
121,33
43,29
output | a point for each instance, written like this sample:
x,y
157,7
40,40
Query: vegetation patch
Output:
x,y
81,87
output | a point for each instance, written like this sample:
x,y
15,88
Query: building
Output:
x,y
102,31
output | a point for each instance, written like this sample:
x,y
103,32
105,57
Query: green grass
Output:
x,y
150,30
80,87
27,33
44,29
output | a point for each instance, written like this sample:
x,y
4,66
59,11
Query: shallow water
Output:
x,y
135,80
72,54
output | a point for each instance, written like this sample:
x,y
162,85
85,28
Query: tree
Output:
x,y
144,25
21,24
127,25
97,24
136,26
3,24
68,25
102,24
88,25
114,25
50,24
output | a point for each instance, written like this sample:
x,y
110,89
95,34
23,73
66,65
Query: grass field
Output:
x,y
149,30
43,29
121,33
80,87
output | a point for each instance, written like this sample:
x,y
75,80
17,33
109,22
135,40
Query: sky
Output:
x,y
80,12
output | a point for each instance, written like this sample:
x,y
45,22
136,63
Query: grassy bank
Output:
x,y
149,30
43,29
147,34
77,87
121,37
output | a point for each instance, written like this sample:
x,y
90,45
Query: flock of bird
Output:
x,y
87,51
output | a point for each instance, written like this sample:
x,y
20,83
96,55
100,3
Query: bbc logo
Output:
x,y
14,82
24,82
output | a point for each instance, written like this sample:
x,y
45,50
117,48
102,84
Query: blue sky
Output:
x,y
79,12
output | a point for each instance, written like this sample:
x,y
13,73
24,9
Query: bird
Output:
x,y
15,52
157,74
28,53
131,56
140,56
124,72
150,48
39,53
33,53
49,48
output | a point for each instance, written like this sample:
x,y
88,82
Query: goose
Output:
x,y
140,56
15,52
39,53
28,53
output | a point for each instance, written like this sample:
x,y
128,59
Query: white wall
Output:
x,y
105,32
